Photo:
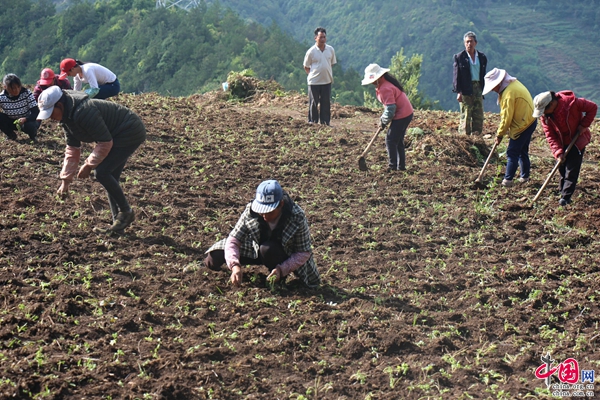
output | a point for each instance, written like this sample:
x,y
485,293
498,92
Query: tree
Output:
x,y
408,72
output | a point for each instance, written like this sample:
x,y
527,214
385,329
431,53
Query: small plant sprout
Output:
x,y
359,377
395,372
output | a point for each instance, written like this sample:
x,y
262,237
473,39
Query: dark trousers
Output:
x,y
569,172
517,154
319,103
394,142
108,90
7,125
108,174
270,254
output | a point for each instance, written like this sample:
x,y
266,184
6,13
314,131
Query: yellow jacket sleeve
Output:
x,y
516,110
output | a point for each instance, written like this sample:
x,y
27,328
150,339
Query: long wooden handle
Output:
x,y
487,161
551,174
371,142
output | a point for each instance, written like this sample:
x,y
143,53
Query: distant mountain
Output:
x,y
547,45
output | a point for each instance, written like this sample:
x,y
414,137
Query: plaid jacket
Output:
x,y
295,238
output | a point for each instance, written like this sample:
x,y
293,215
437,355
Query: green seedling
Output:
x,y
18,125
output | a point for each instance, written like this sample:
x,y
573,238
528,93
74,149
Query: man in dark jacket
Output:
x,y
117,131
468,72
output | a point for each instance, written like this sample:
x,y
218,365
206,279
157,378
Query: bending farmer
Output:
x,y
272,231
563,116
117,131
103,82
18,109
398,112
516,108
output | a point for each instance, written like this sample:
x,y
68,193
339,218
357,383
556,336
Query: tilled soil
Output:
x,y
433,287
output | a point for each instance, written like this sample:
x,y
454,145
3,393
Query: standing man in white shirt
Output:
x,y
317,64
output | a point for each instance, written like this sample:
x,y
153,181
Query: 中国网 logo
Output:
x,y
573,382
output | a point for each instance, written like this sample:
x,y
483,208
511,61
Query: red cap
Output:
x,y
47,77
66,65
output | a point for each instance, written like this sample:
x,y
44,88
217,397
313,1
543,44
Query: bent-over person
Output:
x,y
563,116
117,131
516,122
272,231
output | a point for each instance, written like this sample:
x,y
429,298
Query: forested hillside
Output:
x,y
169,51
546,44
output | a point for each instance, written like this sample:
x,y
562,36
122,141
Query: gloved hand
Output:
x,y
92,92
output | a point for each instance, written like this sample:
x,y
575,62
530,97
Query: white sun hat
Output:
x,y
493,79
47,100
540,102
372,73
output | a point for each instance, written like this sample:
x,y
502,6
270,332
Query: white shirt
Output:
x,y
94,75
320,63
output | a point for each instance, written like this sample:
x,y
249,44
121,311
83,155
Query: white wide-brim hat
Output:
x,y
47,100
372,73
493,79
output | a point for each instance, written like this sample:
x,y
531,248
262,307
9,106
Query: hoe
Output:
x,y
478,180
362,163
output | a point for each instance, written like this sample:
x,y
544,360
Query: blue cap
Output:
x,y
268,196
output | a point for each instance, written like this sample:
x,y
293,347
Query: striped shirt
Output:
x,y
19,106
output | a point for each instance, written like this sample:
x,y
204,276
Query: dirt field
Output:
x,y
433,288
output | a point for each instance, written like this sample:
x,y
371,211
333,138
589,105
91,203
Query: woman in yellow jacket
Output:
x,y
516,114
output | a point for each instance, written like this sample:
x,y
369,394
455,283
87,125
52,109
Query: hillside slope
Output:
x,y
568,57
432,287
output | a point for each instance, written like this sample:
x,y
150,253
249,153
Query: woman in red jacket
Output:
x,y
563,117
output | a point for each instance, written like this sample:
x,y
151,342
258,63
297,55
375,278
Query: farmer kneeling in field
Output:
x,y
117,131
566,119
272,231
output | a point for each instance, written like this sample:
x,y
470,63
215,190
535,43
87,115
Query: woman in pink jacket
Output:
x,y
397,112
564,116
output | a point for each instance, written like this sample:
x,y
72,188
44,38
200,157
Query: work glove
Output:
x,y
92,92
